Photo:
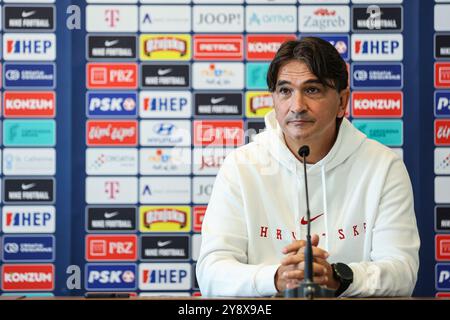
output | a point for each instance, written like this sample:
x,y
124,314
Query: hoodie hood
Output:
x,y
348,141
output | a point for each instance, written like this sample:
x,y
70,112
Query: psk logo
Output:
x,y
164,129
112,188
341,47
374,20
112,17
128,276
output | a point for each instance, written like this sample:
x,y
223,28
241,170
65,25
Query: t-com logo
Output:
x,y
111,133
218,133
111,104
110,277
442,245
111,248
29,47
264,47
36,219
374,47
377,104
164,276
443,276
29,104
107,18
218,47
111,75
117,190
30,277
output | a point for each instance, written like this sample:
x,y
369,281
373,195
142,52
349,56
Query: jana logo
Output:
x,y
164,129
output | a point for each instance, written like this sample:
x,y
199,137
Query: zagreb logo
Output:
x,y
324,19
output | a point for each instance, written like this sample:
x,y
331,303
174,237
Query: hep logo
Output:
x,y
112,188
112,17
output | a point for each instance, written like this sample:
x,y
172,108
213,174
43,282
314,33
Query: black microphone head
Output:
x,y
303,151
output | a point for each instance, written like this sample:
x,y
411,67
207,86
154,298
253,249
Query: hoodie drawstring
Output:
x,y
297,205
325,208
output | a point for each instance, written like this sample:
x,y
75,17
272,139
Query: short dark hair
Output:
x,y
321,58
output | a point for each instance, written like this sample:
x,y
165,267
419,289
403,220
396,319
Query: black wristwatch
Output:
x,y
344,274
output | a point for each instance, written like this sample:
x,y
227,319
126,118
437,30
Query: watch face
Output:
x,y
344,271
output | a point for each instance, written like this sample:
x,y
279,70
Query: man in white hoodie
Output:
x,y
365,239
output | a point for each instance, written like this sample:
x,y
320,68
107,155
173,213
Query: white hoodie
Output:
x,y
361,205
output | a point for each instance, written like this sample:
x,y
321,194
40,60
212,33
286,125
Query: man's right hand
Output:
x,y
293,264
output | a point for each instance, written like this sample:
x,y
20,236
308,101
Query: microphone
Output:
x,y
308,289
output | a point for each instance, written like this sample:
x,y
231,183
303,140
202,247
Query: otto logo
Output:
x,y
443,247
111,104
111,248
111,133
39,277
111,75
372,47
29,104
29,47
442,75
218,47
218,133
165,276
442,103
377,104
110,277
199,214
264,47
442,132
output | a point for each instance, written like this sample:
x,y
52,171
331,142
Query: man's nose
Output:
x,y
298,103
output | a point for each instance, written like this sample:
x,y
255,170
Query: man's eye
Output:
x,y
312,90
284,91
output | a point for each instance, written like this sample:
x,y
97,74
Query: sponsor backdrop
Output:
x,y
113,133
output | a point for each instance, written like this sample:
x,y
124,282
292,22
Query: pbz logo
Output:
x,y
110,277
111,104
442,103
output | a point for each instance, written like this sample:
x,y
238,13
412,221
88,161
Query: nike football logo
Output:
x,y
28,186
163,243
217,100
26,14
111,43
163,72
109,215
304,221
